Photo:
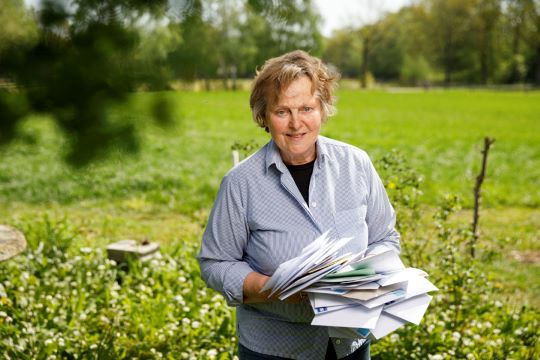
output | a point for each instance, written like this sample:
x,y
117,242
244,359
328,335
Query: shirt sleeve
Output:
x,y
380,215
223,244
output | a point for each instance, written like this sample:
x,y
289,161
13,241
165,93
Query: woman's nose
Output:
x,y
294,120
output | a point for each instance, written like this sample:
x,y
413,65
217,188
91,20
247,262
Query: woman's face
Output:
x,y
295,122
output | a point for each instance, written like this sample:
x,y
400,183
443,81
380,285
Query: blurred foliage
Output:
x,y
66,302
445,42
468,318
74,59
82,60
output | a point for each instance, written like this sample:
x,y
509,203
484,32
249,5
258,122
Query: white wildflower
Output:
x,y
212,353
195,324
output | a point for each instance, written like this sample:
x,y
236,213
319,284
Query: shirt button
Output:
x,y
338,341
314,204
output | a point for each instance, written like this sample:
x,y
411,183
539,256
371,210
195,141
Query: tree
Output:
x,y
82,60
367,33
523,22
487,15
344,50
196,57
284,25
386,54
18,32
450,25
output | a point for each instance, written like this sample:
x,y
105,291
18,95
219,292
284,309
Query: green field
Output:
x,y
440,132
165,192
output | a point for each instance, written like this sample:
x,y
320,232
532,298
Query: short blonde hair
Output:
x,y
279,72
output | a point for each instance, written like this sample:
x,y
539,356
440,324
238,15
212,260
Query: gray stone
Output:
x,y
12,242
121,250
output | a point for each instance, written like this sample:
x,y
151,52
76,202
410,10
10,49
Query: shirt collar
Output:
x,y
274,158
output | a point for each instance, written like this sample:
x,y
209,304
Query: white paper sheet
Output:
x,y
352,316
365,295
384,299
385,261
386,324
411,310
325,300
400,276
324,309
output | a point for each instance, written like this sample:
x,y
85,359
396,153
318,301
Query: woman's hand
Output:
x,y
253,284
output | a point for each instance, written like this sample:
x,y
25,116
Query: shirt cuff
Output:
x,y
233,286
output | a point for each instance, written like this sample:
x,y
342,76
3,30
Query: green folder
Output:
x,y
356,272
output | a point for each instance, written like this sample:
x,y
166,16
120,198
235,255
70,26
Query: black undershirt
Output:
x,y
302,175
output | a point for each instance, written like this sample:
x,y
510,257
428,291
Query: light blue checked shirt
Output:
x,y
260,220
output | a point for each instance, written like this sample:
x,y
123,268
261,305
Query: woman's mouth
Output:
x,y
296,136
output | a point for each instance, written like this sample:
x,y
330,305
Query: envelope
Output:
x,y
386,324
352,316
372,294
411,310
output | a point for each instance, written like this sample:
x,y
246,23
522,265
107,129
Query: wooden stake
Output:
x,y
479,180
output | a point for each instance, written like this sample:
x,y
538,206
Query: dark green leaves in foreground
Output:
x,y
81,60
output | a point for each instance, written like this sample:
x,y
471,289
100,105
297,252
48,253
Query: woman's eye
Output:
x,y
307,109
281,113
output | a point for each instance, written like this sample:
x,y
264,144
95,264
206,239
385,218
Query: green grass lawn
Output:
x,y
178,170
440,132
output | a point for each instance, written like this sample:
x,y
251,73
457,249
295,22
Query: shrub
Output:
x,y
67,302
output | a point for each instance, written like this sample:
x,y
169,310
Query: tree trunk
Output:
x,y
448,57
515,75
365,57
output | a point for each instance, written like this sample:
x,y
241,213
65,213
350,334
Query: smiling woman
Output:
x,y
277,201
295,122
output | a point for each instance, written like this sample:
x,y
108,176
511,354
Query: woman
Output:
x,y
273,204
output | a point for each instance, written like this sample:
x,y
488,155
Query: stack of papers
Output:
x,y
318,259
355,296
